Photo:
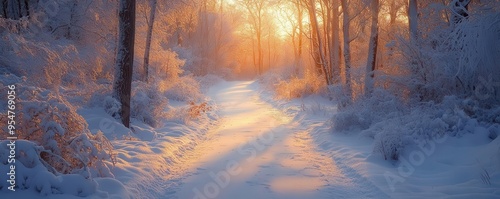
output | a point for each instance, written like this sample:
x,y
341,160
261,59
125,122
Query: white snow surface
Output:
x,y
253,146
260,151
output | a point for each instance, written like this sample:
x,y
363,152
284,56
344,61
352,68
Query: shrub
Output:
x,y
68,147
195,110
186,89
147,103
32,173
296,87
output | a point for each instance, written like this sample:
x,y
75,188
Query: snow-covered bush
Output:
x,y
186,89
389,143
461,60
288,86
147,103
445,82
111,106
196,110
52,63
32,172
191,112
349,121
395,125
49,121
272,78
61,43
366,111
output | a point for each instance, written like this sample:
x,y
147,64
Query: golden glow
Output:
x,y
277,19
283,20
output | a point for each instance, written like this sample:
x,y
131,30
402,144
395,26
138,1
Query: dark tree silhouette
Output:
x,y
124,59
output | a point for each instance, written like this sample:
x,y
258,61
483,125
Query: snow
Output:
x,y
146,157
428,128
258,151
451,167
251,145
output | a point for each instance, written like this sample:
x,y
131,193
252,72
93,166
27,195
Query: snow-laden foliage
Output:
x,y
458,60
185,89
395,125
52,48
367,111
446,82
32,172
111,106
147,103
287,85
51,122
54,140
300,87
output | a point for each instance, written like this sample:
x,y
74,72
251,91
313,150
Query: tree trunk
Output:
x,y
347,50
314,40
269,49
255,9
25,8
412,19
259,42
254,56
149,34
393,13
298,55
320,60
3,12
218,44
335,49
72,21
13,10
328,38
372,49
122,86
301,28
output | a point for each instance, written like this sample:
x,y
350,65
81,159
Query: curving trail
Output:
x,y
257,151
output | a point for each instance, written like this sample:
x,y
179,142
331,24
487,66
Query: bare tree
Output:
x,y
317,43
335,41
372,48
296,20
256,11
122,85
347,50
412,19
16,9
151,21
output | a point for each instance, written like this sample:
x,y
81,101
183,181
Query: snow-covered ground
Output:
x,y
259,151
265,148
253,146
449,167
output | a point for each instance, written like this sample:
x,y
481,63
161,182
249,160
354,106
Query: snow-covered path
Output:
x,y
259,152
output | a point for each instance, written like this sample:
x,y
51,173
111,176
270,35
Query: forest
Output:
x,y
249,99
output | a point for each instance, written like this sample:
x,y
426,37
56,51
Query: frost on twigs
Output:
x,y
147,103
295,87
55,140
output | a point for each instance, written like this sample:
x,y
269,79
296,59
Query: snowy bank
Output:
x,y
462,163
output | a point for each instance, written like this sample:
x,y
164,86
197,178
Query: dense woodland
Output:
x,y
380,60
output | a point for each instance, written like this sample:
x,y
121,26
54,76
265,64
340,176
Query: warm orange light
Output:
x,y
282,20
